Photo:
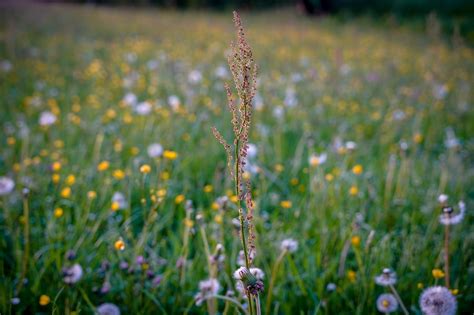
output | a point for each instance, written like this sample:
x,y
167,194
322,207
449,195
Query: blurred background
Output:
x,y
454,15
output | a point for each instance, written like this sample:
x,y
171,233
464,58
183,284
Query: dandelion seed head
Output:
x,y
47,119
387,303
143,108
438,300
258,273
207,288
290,245
6,185
442,198
72,274
387,278
331,287
449,218
108,309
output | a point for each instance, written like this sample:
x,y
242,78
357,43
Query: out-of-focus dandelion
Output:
x,y
56,166
447,217
355,240
290,245
387,303
330,287
207,289
179,199
357,169
351,275
387,278
118,174
44,300
6,185
315,160
72,274
174,102
353,191
118,201
443,198
58,212
286,204
170,155
119,244
437,273
143,108
91,194
145,169
103,166
108,309
155,150
66,192
47,119
438,300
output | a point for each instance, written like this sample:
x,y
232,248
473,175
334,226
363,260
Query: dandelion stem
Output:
x,y
211,305
399,299
257,305
26,237
446,255
272,281
299,281
241,215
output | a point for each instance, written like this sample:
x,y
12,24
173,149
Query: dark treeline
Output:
x,y
402,7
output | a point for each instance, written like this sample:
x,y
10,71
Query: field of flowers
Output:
x,y
116,198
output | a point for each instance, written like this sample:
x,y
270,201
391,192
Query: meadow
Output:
x,y
113,188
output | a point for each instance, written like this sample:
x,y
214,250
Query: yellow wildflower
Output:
x,y
104,165
145,169
56,166
189,223
170,155
119,244
286,204
208,188
44,300
115,206
58,212
355,240
353,190
55,178
279,168
179,199
357,169
352,275
66,192
118,174
437,273
70,180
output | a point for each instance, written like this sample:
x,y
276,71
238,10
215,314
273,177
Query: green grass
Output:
x,y
352,81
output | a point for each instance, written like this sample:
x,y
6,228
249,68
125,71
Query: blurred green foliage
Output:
x,y
405,7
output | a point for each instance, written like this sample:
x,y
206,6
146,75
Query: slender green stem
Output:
x,y
241,215
399,299
446,255
210,302
272,281
299,281
26,237
257,305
